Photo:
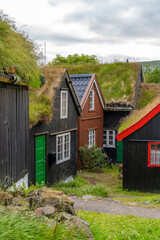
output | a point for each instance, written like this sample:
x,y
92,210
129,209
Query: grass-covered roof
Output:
x,y
17,50
41,100
136,115
117,80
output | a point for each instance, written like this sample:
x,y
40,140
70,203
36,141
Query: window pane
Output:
x,y
153,161
91,100
63,147
110,133
153,154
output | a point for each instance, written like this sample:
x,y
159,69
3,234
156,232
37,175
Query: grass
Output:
x,y
39,108
105,184
110,226
117,80
136,115
81,187
16,49
14,225
145,98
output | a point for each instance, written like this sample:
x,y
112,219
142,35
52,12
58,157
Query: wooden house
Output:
x,y
90,123
115,111
14,129
141,153
53,139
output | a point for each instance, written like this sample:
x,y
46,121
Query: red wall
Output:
x,y
85,122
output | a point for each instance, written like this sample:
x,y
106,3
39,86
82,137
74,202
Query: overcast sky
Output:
x,y
107,28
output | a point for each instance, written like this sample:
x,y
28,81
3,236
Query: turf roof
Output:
x,y
18,51
41,100
136,115
117,80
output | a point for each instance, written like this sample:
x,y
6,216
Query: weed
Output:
x,y
110,226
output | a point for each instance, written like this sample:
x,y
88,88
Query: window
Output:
x,y
154,154
91,137
64,104
91,100
63,147
109,138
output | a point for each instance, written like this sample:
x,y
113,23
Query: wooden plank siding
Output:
x,y
137,174
112,120
14,130
55,172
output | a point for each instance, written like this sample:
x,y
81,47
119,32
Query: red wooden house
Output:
x,y
90,123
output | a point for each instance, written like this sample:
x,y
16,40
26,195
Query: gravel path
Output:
x,y
108,205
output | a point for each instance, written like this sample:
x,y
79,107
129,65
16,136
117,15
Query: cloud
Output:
x,y
123,20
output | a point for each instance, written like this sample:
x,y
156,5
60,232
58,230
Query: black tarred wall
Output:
x,y
137,174
112,121
63,170
14,131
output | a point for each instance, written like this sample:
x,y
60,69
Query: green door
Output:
x,y
120,151
40,153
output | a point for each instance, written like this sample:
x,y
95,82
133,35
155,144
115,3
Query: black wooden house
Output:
x,y
14,129
114,113
141,153
54,142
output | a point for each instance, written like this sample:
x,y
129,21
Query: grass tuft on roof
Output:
x,y
136,115
17,50
41,100
117,80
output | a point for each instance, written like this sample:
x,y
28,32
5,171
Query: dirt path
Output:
x,y
108,205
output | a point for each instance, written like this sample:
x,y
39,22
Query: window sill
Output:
x,y
62,161
63,117
153,165
92,110
107,146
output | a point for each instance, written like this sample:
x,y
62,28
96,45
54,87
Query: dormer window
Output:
x,y
64,104
91,102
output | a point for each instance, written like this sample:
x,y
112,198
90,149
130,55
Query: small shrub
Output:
x,y
91,157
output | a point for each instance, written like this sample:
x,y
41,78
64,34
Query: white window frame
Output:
x,y
91,100
91,137
106,139
63,145
66,106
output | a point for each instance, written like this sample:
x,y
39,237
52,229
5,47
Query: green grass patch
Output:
x,y
117,80
20,226
39,108
148,198
81,187
16,49
110,226
146,97
14,225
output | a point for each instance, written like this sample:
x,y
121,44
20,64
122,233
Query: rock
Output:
x,y
5,198
32,193
71,194
67,207
88,197
47,197
81,225
49,211
64,216
18,193
20,202
52,196
36,201
38,210
57,199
